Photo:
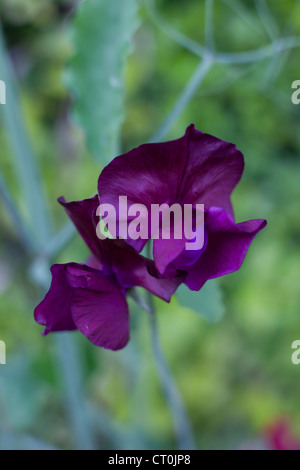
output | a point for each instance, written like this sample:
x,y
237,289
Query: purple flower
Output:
x,y
196,169
92,297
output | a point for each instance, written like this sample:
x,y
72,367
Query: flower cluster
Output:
x,y
195,169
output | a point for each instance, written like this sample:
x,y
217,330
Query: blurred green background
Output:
x,y
235,375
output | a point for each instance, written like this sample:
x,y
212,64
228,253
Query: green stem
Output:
x,y
69,360
257,55
244,13
57,243
182,427
184,41
17,220
267,19
209,24
185,97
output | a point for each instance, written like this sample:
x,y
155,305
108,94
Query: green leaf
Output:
x,y
208,302
101,34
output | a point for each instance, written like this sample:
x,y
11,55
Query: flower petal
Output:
x,y
80,297
82,214
115,257
213,169
132,269
227,246
55,310
167,252
198,168
100,312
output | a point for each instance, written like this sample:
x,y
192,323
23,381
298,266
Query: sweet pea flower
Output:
x,y
91,297
280,436
195,169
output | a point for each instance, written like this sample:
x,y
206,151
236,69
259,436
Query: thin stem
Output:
x,y
232,77
133,293
59,241
180,419
259,54
239,9
277,63
168,30
185,97
209,58
267,19
182,427
68,359
209,24
17,220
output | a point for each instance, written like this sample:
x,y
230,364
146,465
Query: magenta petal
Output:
x,y
164,252
171,255
226,249
132,269
98,307
55,310
198,168
82,214
115,257
102,314
212,170
147,174
80,297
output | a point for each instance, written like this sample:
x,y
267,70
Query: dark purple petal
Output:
x,y
198,168
115,256
212,170
147,174
80,297
54,312
227,245
184,247
132,269
100,311
171,255
82,214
